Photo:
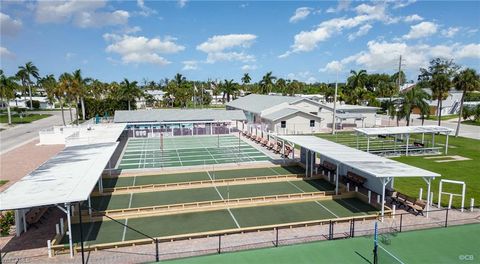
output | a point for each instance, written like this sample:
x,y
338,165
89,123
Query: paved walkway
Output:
x,y
13,137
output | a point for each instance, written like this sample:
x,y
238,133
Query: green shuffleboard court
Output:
x,y
199,176
188,223
457,244
187,151
144,199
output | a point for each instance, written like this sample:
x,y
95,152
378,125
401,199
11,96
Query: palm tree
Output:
x,y
129,91
29,70
246,80
63,87
8,86
281,85
80,86
294,87
267,83
357,79
466,81
229,88
414,98
438,77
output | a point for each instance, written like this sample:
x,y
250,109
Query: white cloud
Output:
x,y
366,14
82,13
130,30
216,47
342,6
384,55
332,66
8,25
468,51
133,49
450,32
144,10
413,18
190,65
421,30
182,3
305,76
69,55
300,14
362,31
402,3
5,53
248,67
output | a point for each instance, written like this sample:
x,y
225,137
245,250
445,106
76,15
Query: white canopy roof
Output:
x,y
70,176
369,163
374,131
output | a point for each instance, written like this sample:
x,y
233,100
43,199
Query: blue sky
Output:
x,y
309,41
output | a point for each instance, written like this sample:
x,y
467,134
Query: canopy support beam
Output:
x,y
67,211
428,180
384,184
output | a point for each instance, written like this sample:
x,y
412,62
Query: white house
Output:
x,y
291,114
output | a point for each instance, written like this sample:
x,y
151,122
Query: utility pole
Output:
x,y
399,72
335,105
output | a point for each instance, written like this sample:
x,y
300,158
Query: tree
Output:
x,y
281,86
267,83
438,77
8,86
80,85
64,83
26,71
229,88
466,81
357,79
294,87
246,80
414,98
129,91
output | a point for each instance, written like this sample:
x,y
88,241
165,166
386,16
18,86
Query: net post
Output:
x,y
276,236
157,257
446,217
219,244
472,204
401,222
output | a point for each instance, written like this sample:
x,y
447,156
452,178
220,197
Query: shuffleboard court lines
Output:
x,y
315,201
125,230
221,197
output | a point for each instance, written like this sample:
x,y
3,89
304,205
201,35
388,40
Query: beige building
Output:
x,y
299,115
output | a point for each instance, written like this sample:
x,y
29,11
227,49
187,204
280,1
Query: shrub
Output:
x,y
35,103
6,221
108,106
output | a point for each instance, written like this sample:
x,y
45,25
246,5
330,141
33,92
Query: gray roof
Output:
x,y
369,163
173,115
256,103
283,113
373,131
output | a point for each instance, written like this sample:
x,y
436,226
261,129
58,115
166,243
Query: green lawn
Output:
x,y
468,171
440,245
471,122
28,118
444,117
2,182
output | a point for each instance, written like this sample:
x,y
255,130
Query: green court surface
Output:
x,y
187,151
144,199
186,223
199,176
458,244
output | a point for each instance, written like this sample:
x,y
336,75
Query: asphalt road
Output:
x,y
18,135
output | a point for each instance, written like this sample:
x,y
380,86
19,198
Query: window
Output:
x,y
283,124
312,123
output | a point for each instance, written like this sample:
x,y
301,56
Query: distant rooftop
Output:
x,y
374,131
174,115
256,103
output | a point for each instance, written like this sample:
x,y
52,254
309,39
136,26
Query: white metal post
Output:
x,y
69,223
306,162
384,183
368,144
89,206
408,142
429,196
446,150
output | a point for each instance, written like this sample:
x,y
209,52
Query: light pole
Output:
x,y
335,104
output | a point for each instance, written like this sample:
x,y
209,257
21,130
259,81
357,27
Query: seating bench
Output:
x,y
34,215
417,206
356,179
328,166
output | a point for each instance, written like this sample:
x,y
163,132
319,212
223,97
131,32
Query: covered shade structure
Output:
x,y
380,171
404,131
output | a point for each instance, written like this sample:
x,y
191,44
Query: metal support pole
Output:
x,y
157,256
446,218
81,230
69,223
408,142
368,144
401,222
89,206
446,145
219,244
336,178
276,236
